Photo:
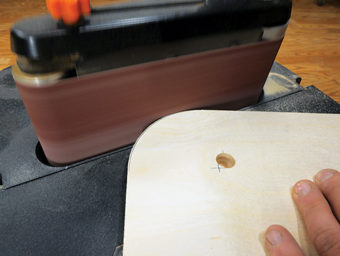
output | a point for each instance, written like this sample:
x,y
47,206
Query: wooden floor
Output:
x,y
311,47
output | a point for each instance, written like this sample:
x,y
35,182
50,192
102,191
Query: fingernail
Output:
x,y
274,237
302,188
324,175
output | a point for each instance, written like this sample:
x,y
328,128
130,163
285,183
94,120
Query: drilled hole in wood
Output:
x,y
225,160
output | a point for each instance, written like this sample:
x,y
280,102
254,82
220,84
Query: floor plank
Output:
x,y
312,45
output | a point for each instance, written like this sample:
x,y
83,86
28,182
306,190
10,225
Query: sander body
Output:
x,y
95,86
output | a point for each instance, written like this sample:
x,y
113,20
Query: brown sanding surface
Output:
x,y
81,117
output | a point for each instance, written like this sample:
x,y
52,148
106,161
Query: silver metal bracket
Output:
x,y
274,33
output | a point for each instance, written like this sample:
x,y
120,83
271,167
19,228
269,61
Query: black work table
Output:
x,y
79,209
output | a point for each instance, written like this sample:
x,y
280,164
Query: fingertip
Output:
x,y
302,188
327,169
304,180
324,175
268,239
278,241
275,227
273,235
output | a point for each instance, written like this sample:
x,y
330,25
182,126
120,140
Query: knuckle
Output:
x,y
327,242
309,210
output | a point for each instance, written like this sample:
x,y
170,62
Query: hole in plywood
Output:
x,y
225,160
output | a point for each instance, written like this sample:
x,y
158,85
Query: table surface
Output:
x,y
311,47
82,207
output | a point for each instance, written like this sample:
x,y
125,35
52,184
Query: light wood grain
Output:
x,y
311,47
181,202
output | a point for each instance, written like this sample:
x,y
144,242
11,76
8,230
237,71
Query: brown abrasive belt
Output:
x,y
84,116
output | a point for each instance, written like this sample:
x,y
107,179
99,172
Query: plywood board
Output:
x,y
180,201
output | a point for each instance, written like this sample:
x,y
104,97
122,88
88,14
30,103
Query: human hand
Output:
x,y
319,205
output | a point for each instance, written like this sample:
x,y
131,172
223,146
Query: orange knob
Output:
x,y
70,11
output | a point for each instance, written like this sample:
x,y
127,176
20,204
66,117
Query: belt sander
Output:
x,y
93,84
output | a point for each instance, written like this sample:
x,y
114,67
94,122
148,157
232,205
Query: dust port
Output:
x,y
225,160
39,152
1,182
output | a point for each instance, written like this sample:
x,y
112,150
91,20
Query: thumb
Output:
x,y
279,242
